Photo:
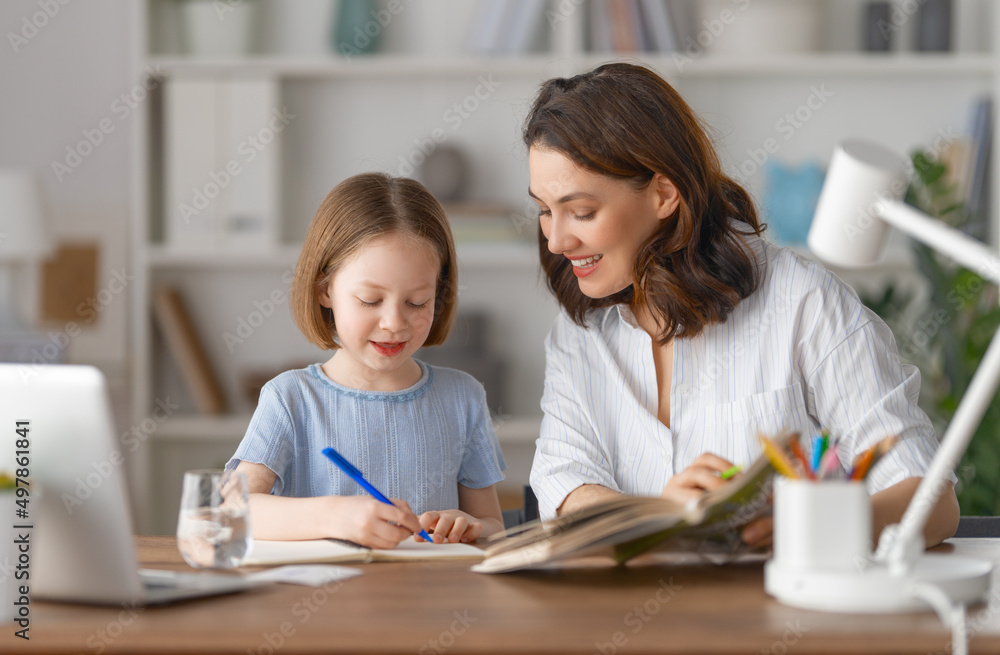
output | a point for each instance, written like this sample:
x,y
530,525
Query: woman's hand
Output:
x,y
451,525
759,533
703,474
370,522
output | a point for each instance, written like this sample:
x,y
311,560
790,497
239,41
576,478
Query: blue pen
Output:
x,y
355,475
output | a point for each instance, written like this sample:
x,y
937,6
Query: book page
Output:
x,y
625,527
411,550
268,553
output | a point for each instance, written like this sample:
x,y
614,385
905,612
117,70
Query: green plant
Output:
x,y
955,325
7,481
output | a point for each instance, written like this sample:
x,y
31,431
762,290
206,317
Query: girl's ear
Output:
x,y
668,198
324,294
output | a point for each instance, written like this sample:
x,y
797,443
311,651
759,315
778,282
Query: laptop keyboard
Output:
x,y
158,584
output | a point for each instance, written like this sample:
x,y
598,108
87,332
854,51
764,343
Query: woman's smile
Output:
x,y
584,266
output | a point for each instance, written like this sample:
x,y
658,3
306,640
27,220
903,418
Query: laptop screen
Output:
x,y
81,536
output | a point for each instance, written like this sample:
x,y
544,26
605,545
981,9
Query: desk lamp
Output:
x,y
861,198
22,236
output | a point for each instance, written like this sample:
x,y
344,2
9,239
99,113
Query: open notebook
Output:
x,y
267,553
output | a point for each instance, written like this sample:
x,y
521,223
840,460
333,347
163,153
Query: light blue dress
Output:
x,y
416,444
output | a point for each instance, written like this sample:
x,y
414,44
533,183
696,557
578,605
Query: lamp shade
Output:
x,y
22,219
847,229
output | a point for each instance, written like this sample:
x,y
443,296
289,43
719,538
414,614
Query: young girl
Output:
x,y
376,281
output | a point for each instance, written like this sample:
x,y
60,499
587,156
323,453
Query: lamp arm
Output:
x,y
943,238
898,548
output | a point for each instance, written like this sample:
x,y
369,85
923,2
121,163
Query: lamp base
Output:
x,y
874,590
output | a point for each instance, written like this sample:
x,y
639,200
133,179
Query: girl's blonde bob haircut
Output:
x,y
356,211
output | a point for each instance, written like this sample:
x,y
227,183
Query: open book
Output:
x,y
626,527
268,553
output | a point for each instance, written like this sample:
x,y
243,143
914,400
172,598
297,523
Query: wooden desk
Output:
x,y
432,608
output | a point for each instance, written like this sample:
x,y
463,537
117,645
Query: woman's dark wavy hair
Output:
x,y
624,121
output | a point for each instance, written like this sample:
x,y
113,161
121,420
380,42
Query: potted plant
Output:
x,y
7,581
8,493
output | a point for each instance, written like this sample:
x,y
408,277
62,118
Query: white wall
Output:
x,y
63,79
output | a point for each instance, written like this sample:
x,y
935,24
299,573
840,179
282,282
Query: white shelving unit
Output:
x,y
400,66
369,113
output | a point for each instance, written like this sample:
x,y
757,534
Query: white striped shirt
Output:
x,y
801,352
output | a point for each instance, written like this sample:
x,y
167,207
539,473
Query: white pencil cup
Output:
x,y
821,525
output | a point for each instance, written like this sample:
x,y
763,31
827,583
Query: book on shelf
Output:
x,y
221,159
525,22
626,527
486,33
633,26
956,157
624,36
506,27
684,17
186,348
271,553
600,28
967,166
484,223
660,27
977,198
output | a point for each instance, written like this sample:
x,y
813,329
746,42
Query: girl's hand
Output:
x,y
701,476
370,522
451,525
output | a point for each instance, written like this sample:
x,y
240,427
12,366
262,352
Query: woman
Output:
x,y
683,334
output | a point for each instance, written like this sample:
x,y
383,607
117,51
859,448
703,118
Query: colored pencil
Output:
x,y
778,458
830,463
731,471
796,448
820,443
864,462
861,464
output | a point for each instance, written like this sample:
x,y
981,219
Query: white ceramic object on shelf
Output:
x,y
761,27
300,28
218,29
439,28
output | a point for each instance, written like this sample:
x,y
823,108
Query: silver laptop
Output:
x,y
82,546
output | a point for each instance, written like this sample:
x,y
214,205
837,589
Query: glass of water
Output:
x,y
213,526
